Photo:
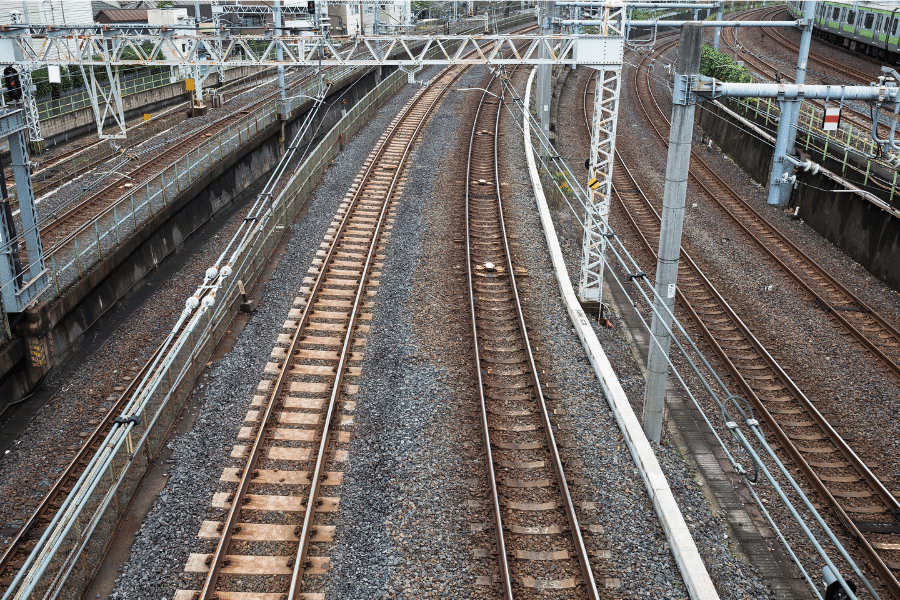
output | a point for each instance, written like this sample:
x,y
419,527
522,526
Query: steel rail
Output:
x,y
345,350
71,472
859,119
432,95
861,76
151,165
578,541
804,261
875,485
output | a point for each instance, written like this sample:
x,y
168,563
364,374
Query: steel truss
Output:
x,y
32,119
603,150
106,48
106,102
19,287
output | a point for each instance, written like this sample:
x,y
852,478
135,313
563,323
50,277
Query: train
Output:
x,y
870,28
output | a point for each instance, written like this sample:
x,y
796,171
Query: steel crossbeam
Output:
x,y
179,48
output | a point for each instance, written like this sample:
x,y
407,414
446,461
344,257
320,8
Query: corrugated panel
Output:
x,y
137,15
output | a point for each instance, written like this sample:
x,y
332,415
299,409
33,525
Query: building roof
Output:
x,y
98,5
121,15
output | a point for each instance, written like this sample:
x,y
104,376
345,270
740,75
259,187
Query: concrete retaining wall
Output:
x,y
88,303
865,232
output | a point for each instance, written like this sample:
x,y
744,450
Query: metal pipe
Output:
x,y
780,194
701,5
714,88
656,22
718,33
279,51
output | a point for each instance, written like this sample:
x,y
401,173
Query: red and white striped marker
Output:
x,y
832,118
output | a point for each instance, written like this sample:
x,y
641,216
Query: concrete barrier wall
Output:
x,y
860,228
87,303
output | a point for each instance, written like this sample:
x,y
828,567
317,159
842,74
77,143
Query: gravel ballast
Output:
x,y
169,532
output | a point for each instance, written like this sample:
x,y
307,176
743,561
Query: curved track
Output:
x,y
33,527
538,538
73,217
875,333
840,478
775,72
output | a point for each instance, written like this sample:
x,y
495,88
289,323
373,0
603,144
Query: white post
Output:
x,y
687,68
779,192
603,152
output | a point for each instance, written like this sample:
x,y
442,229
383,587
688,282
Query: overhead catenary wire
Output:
x,y
730,402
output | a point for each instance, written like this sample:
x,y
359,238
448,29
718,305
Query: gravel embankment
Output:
x,y
805,341
34,458
401,531
227,389
628,513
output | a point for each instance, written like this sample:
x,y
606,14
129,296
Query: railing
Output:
x,y
61,566
848,140
80,100
89,525
68,259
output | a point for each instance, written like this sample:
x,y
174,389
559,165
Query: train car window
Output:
x,y
877,22
869,18
894,28
834,15
851,17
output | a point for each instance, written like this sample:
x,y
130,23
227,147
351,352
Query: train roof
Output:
x,y
888,6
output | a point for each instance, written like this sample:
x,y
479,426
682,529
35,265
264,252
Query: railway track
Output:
x,y
773,72
868,328
33,527
72,217
27,536
538,539
295,437
830,65
841,480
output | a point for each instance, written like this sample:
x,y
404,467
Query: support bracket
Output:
x,y
106,102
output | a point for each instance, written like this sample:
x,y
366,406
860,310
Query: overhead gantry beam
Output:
x,y
177,48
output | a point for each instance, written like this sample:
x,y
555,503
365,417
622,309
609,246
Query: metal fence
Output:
x,y
848,141
90,520
48,109
80,100
63,562
68,259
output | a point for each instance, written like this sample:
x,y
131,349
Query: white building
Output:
x,y
349,17
70,12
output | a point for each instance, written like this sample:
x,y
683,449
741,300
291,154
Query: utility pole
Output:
x,y
719,10
779,190
545,73
198,76
687,70
279,52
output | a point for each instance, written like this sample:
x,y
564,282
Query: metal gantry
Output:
x,y
20,287
603,151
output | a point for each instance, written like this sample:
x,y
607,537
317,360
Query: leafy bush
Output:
x,y
721,66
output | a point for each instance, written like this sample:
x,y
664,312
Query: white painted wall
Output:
x,y
71,12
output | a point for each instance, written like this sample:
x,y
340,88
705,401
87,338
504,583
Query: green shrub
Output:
x,y
721,66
